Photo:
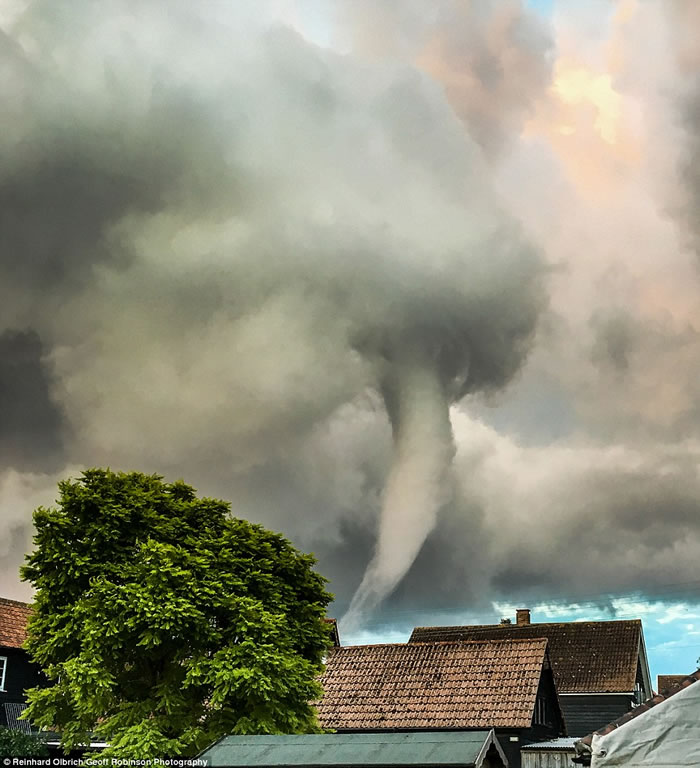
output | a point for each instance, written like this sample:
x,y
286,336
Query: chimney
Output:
x,y
522,616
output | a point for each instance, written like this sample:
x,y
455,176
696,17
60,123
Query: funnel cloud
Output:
x,y
417,287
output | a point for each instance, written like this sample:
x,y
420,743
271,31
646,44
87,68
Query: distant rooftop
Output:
x,y
13,622
665,683
586,656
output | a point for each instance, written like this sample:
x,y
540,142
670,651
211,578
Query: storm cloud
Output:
x,y
226,240
31,423
419,295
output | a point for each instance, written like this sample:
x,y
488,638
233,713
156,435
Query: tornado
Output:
x,y
282,228
417,404
468,337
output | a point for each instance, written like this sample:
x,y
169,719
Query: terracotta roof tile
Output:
x,y
487,684
13,622
666,682
645,706
586,656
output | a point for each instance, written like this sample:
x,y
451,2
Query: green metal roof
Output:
x,y
417,748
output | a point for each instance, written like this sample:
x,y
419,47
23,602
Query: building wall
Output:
x,y
20,675
584,713
511,749
547,759
554,726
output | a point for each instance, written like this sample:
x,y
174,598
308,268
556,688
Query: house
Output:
x,y
664,730
17,673
458,749
600,667
504,685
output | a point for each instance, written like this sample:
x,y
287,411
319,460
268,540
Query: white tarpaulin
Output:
x,y
667,735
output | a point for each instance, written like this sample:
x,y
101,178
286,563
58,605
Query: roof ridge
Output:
x,y
431,643
15,602
532,624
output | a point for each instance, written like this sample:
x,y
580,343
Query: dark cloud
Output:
x,y
603,522
31,422
445,575
614,341
344,561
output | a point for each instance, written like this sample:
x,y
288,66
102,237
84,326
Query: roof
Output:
x,y
642,708
563,744
13,622
586,656
434,748
666,682
438,685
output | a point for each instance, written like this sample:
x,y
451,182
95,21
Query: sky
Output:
x,y
416,285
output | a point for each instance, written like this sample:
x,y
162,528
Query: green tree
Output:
x,y
18,744
163,623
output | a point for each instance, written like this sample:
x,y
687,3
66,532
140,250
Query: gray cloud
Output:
x,y
245,260
230,239
31,422
614,342
492,58
682,19
690,175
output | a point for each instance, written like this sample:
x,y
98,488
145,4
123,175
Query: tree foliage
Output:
x,y
18,744
163,623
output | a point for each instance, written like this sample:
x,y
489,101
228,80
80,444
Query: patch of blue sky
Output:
x,y
372,637
543,7
316,23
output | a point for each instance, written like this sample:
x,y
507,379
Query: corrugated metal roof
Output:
x,y
564,743
455,748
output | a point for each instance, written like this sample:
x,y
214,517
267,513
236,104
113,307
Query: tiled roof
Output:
x,y
666,682
488,684
586,656
644,707
13,622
